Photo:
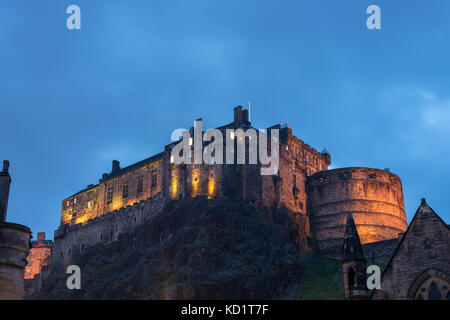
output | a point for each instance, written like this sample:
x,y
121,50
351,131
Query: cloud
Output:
x,y
436,117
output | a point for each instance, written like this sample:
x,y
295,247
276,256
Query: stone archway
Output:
x,y
431,284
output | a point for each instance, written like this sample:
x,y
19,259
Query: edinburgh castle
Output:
x,y
304,185
308,203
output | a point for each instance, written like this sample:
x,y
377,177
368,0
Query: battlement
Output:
x,y
103,229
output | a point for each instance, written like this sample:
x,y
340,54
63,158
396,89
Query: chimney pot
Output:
x,y
41,237
115,166
5,166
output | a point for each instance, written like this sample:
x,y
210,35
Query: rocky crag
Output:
x,y
194,249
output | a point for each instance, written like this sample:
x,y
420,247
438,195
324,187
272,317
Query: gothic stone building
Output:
x,y
418,269
420,266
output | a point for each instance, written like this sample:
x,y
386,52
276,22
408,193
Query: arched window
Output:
x,y
351,278
433,288
434,292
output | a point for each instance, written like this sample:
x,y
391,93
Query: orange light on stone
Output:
x,y
195,181
82,219
211,186
174,185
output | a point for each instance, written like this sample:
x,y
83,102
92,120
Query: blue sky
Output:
x,y
71,101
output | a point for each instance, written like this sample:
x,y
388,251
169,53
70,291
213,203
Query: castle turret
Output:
x,y
353,263
14,246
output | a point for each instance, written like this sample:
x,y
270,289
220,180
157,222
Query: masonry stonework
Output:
x,y
373,196
39,256
303,185
420,266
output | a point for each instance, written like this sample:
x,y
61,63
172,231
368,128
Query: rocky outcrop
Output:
x,y
194,249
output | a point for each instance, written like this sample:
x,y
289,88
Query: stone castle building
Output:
x,y
39,256
127,196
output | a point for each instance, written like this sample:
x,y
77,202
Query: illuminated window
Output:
x,y
140,185
109,196
154,180
171,159
190,141
75,200
232,135
125,191
89,204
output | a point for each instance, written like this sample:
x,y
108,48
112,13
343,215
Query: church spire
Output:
x,y
352,249
353,263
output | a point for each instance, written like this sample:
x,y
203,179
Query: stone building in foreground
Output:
x,y
418,269
420,266
14,245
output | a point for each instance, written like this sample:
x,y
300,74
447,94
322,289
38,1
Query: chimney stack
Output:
x,y
238,115
115,167
41,237
5,182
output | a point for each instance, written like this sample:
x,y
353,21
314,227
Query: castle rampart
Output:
x,y
373,196
102,229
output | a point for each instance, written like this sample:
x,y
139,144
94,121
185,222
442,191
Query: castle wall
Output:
x,y
113,192
373,196
102,229
297,161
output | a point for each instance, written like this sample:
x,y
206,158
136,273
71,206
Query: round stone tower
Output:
x,y
14,246
14,249
374,197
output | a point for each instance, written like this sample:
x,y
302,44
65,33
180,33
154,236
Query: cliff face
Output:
x,y
193,249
